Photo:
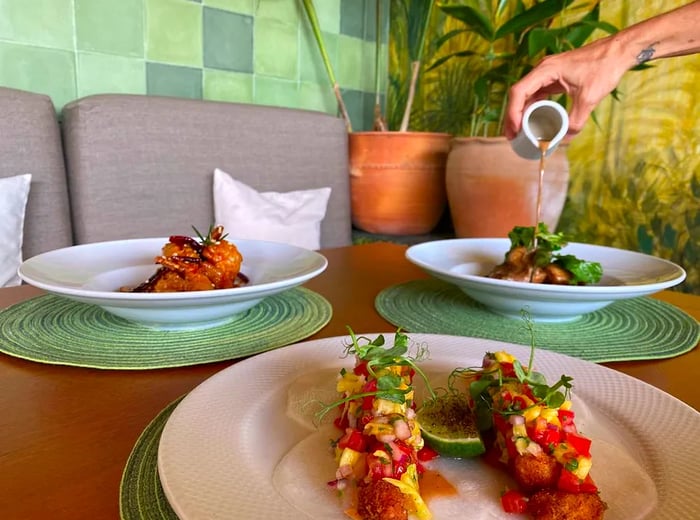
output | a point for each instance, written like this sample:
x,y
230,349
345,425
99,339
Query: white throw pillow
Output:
x,y
293,217
14,192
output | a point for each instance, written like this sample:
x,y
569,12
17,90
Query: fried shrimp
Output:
x,y
191,265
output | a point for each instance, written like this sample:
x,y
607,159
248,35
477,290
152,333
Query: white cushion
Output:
x,y
293,217
14,192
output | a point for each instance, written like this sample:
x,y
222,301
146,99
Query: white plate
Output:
x,y
93,273
465,263
222,446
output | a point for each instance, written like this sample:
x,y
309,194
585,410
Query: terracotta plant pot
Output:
x,y
491,189
397,181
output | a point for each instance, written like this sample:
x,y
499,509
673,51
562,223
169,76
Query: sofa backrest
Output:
x,y
142,166
30,142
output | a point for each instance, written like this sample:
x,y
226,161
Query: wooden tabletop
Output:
x,y
66,433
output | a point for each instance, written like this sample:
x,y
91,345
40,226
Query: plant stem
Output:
x,y
316,28
415,69
379,121
341,106
416,64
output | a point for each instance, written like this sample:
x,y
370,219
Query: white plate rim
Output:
x,y
604,291
670,468
317,264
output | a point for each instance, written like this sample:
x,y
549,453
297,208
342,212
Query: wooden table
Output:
x,y
66,433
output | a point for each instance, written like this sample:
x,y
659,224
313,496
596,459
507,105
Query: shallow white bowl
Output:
x,y
93,273
465,262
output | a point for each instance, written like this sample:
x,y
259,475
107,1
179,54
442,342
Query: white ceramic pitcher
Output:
x,y
542,121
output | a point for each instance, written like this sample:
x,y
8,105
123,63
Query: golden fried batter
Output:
x,y
380,500
191,265
550,504
535,472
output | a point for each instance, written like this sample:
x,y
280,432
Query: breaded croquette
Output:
x,y
535,472
380,500
553,504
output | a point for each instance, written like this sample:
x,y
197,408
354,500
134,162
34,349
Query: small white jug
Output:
x,y
542,121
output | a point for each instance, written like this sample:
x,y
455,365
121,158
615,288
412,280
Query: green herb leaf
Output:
x,y
582,270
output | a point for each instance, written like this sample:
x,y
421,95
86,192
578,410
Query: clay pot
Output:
x,y
397,181
491,189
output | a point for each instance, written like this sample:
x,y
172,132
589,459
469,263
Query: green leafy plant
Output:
x,y
417,15
503,40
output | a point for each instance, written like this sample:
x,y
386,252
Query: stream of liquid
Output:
x,y
544,146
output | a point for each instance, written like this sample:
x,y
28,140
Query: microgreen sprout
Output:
x,y
552,396
378,357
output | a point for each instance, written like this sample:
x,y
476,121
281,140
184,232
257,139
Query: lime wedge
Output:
x,y
448,426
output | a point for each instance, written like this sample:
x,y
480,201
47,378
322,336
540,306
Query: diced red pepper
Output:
x,y
507,369
341,422
566,418
547,436
571,483
507,397
370,386
568,481
514,501
353,439
377,467
361,369
364,419
519,402
500,423
528,392
588,485
427,453
580,444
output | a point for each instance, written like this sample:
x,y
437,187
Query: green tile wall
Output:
x,y
249,51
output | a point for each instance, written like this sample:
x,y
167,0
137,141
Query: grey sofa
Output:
x,y
126,166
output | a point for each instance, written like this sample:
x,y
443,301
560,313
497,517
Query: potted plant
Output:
x,y
397,177
489,45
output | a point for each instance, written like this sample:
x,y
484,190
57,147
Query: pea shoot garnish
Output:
x,y
378,360
552,396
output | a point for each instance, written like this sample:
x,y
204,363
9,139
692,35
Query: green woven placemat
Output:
x,y
634,329
55,330
141,496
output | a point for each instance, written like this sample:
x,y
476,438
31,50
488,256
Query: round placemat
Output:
x,y
55,330
141,496
634,329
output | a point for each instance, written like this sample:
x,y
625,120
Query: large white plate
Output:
x,y
465,262
93,273
221,447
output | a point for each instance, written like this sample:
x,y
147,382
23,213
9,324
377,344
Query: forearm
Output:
x,y
587,74
675,33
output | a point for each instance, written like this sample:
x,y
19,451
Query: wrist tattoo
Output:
x,y
646,54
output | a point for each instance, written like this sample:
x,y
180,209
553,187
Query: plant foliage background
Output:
x,y
635,169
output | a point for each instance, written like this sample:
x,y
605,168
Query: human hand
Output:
x,y
586,75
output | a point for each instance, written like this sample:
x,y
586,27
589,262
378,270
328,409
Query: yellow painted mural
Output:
x,y
635,169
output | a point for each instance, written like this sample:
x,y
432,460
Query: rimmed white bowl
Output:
x,y
465,263
93,273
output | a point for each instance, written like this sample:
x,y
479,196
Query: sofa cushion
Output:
x,y
14,192
30,142
142,166
292,217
